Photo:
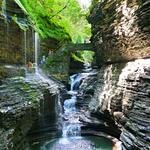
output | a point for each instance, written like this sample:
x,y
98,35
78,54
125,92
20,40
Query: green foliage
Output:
x,y
94,2
84,56
59,19
23,25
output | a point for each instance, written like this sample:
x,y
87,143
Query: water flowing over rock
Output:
x,y
21,107
71,115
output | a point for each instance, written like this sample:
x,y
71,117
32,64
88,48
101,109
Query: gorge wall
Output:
x,y
121,30
121,37
24,109
17,45
24,103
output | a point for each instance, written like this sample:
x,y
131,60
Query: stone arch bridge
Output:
x,y
71,47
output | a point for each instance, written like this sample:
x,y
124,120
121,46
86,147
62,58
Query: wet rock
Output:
x,y
20,107
121,34
123,94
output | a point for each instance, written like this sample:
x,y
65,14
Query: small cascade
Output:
x,y
4,13
36,51
87,67
32,69
25,50
72,125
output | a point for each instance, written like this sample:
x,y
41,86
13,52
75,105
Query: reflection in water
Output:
x,y
75,143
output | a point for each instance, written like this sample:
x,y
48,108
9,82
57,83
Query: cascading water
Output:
x,y
4,13
32,69
4,9
72,125
36,51
71,132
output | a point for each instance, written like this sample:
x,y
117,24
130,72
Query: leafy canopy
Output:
x,y
59,19
84,56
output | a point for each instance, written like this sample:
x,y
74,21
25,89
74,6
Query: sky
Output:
x,y
84,3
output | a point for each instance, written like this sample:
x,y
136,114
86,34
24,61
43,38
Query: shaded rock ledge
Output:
x,y
121,100
121,35
120,30
21,105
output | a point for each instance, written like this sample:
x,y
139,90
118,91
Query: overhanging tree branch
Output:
x,y
61,9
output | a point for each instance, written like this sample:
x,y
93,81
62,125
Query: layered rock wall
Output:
x,y
24,104
121,35
123,91
121,30
14,41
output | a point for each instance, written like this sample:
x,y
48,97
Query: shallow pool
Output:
x,y
75,143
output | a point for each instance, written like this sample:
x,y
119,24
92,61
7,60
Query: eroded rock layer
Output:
x,y
123,91
26,103
121,37
121,30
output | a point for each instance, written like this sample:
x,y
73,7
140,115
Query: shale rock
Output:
x,y
123,91
20,107
121,30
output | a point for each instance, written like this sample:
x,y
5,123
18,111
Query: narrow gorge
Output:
x,y
75,75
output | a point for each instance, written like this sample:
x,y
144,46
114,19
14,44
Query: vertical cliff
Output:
x,y
121,30
121,37
13,39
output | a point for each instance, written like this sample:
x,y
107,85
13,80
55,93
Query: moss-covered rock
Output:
x,y
57,63
21,104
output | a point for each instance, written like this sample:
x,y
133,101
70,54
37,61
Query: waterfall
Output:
x,y
71,115
32,70
71,126
4,13
25,50
36,51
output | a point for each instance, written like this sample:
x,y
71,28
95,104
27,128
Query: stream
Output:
x,y
71,138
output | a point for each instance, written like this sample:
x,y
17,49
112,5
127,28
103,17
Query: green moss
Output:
x,y
26,87
3,73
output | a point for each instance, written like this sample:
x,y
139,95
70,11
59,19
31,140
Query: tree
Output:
x,y
62,20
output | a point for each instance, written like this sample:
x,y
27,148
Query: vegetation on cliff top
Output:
x,y
61,20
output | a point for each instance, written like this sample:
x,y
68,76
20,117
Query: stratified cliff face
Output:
x,y
121,30
121,36
26,103
14,41
123,90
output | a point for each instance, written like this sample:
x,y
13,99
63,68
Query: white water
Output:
x,y
33,72
36,51
72,125
4,9
25,49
